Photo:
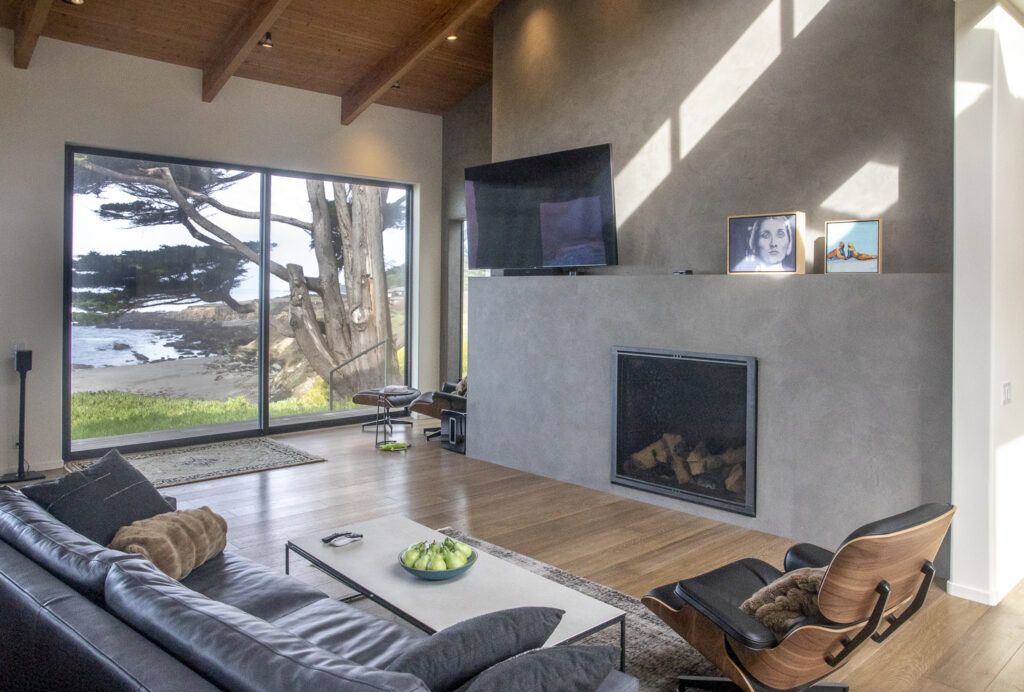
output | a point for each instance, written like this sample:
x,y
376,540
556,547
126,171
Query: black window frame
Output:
x,y
264,424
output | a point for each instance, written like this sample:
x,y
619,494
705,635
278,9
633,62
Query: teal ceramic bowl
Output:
x,y
439,575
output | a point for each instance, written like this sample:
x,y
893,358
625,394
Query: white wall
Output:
x,y
97,98
988,434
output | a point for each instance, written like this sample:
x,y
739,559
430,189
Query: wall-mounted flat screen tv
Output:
x,y
550,211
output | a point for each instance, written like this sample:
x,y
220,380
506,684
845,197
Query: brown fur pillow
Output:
x,y
787,600
176,542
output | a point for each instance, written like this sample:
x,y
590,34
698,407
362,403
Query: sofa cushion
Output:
x,y
68,555
251,587
230,647
359,636
176,542
99,500
452,656
564,668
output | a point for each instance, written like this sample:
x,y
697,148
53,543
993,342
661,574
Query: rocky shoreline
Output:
x,y
217,355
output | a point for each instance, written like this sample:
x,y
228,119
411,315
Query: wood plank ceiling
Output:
x,y
355,49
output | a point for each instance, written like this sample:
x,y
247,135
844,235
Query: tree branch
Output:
x,y
241,213
163,179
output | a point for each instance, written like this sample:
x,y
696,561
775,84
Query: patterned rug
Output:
x,y
655,654
202,462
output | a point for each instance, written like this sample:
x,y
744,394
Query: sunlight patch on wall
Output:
x,y
1009,515
644,173
868,193
741,66
1011,45
968,94
804,12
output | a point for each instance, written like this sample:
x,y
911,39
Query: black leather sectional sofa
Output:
x,y
77,615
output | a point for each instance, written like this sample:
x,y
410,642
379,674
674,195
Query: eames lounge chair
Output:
x,y
879,576
433,403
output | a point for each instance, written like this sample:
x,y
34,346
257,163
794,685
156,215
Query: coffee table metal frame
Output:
x,y
364,590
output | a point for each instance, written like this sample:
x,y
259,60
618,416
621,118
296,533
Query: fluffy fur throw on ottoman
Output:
x,y
787,600
176,542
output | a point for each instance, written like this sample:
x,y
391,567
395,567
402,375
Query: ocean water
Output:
x,y
95,345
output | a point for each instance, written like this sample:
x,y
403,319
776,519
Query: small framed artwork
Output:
x,y
760,243
853,247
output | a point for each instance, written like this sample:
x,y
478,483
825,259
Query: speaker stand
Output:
x,y
20,474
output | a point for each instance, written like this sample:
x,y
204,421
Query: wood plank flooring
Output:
x,y
952,644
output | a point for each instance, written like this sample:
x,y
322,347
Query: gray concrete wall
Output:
x,y
467,142
838,108
846,113
853,403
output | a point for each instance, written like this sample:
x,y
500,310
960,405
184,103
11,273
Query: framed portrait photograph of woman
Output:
x,y
853,247
766,243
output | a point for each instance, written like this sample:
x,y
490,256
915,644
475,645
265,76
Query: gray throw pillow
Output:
x,y
452,656
101,499
563,668
79,562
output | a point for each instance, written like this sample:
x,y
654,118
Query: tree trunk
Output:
x,y
360,223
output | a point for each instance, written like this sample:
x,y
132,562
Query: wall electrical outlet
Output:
x,y
1007,392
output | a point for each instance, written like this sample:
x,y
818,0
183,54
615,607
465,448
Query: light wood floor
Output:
x,y
952,644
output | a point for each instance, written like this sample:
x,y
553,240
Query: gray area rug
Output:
x,y
655,654
169,467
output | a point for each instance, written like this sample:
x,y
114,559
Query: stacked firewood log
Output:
x,y
693,464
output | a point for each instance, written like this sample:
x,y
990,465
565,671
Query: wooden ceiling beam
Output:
x,y
393,66
237,47
28,29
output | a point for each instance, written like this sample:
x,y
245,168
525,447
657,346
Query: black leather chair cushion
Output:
x,y
231,648
53,638
717,595
101,499
358,636
251,587
398,399
902,521
78,561
806,555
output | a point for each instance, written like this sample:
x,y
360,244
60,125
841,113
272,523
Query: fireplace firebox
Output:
x,y
685,426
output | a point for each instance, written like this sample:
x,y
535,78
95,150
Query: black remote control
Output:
x,y
331,537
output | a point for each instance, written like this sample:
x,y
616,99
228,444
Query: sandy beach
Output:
x,y
210,377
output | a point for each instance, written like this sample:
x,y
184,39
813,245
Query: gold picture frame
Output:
x,y
766,243
853,246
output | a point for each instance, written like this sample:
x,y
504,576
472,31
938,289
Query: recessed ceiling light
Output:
x,y
75,2
451,37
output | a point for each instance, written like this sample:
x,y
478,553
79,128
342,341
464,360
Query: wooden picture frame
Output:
x,y
766,243
853,247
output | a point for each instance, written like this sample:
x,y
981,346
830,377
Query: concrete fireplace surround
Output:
x,y
853,390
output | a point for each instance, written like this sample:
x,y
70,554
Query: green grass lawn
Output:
x,y
102,414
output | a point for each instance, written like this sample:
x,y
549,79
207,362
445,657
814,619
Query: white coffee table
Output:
x,y
370,566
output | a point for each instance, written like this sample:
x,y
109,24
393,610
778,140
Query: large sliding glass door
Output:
x,y
207,301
